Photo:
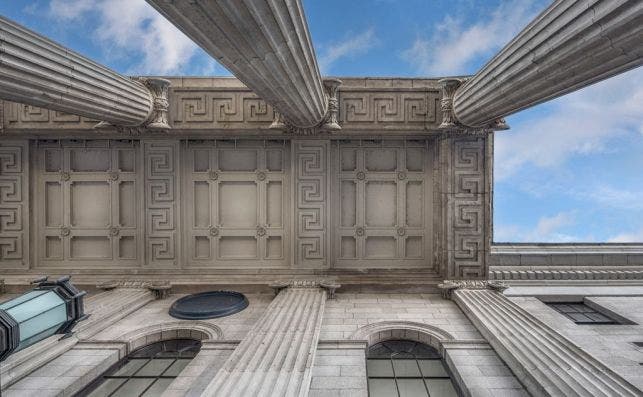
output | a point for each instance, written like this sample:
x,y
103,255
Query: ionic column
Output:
x,y
276,356
266,44
570,45
547,363
36,71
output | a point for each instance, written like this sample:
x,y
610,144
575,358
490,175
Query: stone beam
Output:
x,y
36,71
570,45
266,44
547,363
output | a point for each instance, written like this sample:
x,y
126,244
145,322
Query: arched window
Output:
x,y
407,369
147,371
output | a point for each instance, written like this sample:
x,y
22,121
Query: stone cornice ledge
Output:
x,y
566,248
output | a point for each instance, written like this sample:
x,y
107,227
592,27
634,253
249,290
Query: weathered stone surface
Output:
x,y
265,44
546,362
38,72
568,46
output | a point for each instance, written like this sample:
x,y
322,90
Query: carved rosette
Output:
x,y
159,89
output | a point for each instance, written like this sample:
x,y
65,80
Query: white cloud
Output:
x,y
635,237
132,27
547,229
452,47
580,123
355,44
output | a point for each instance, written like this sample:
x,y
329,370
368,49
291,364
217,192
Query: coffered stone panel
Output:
x,y
88,203
14,204
384,195
237,203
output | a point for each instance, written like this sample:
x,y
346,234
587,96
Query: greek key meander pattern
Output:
x,y
240,109
466,205
311,162
161,202
14,204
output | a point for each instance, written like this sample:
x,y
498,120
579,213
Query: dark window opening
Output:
x,y
147,371
580,313
407,368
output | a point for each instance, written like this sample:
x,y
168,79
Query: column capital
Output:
x,y
448,286
329,286
160,289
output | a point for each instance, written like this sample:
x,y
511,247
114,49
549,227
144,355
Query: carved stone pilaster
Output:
x,y
159,89
448,286
332,90
449,86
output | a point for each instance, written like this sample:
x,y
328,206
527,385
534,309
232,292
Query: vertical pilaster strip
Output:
x,y
161,195
104,308
14,204
466,195
310,161
276,356
547,363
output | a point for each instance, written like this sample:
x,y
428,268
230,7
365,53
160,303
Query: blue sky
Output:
x,y
568,170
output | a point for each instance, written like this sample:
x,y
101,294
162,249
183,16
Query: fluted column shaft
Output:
x,y
276,356
36,71
547,363
266,44
570,45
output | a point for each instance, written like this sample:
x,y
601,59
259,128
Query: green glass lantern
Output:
x,y
50,308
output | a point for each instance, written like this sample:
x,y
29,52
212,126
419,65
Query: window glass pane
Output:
x,y
379,368
379,351
131,367
155,367
599,317
158,387
411,388
176,368
133,387
440,388
579,317
432,368
107,387
424,351
406,368
382,388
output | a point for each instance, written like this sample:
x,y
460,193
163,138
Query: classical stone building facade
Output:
x,y
353,213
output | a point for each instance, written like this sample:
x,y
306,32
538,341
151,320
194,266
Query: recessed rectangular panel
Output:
x,y
53,204
274,204
90,247
348,248
53,160
380,247
381,203
201,160
348,159
237,247
274,247
90,204
201,204
274,160
415,159
201,247
348,201
127,160
413,247
127,247
90,160
127,203
53,247
380,160
237,160
238,204
415,204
